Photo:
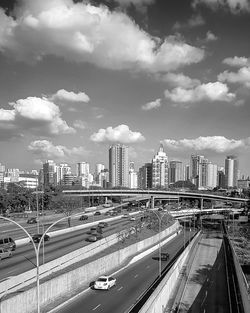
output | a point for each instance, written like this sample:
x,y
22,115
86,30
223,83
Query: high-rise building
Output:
x,y
160,169
145,176
13,174
49,172
82,169
98,170
231,171
187,172
195,168
118,165
133,177
212,174
175,171
62,170
2,173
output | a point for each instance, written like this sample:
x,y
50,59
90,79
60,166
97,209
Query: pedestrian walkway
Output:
x,y
201,277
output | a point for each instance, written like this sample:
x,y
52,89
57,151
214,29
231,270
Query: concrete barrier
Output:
x,y
62,285
158,300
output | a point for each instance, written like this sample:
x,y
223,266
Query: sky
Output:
x,y
79,76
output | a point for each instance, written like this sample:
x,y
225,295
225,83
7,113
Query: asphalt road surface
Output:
x,y
131,282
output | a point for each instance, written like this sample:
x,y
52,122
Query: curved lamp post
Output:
x,y
37,249
160,220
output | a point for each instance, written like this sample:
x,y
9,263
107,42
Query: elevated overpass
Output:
x,y
157,194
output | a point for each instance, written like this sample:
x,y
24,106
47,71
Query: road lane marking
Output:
x,y
96,307
204,298
135,275
120,288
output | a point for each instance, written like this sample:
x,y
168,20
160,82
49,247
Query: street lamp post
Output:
x,y
160,224
37,250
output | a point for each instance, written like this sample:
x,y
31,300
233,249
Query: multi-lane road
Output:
x,y
24,259
131,283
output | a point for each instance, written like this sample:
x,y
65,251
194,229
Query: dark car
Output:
x,y
32,220
83,217
94,237
37,237
103,224
164,256
97,213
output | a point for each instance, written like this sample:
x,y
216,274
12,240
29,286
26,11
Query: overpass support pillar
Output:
x,y
152,202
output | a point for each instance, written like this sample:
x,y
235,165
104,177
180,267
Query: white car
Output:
x,y
5,253
132,218
105,282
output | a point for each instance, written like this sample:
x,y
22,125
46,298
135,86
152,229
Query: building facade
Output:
x,y
160,169
231,171
118,166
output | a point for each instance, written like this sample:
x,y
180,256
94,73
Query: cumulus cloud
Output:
x,y
216,91
119,134
218,144
180,80
235,6
34,114
45,149
151,105
135,2
237,61
210,36
79,124
80,32
63,95
241,77
194,21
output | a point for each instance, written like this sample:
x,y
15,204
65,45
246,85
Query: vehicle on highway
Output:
x,y
94,237
94,230
105,282
132,218
103,224
164,256
125,215
32,220
37,237
83,218
5,253
97,213
7,243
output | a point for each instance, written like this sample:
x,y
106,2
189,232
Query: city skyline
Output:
x,y
79,76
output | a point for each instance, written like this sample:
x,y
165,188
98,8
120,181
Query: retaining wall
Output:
x,y
158,300
62,285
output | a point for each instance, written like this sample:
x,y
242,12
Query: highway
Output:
x,y
24,256
131,282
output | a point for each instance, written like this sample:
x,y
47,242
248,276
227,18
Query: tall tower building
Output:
x,y
195,168
82,169
160,169
49,172
231,171
145,176
99,168
118,166
175,171
2,173
62,170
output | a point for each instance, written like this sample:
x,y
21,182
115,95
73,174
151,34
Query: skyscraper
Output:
x,y
49,172
145,176
231,171
175,171
160,169
118,166
82,169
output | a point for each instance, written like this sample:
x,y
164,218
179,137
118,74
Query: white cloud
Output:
x,y
218,144
194,21
70,96
216,91
119,134
79,124
151,105
235,6
45,149
34,114
80,32
237,61
241,77
179,79
134,2
210,36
